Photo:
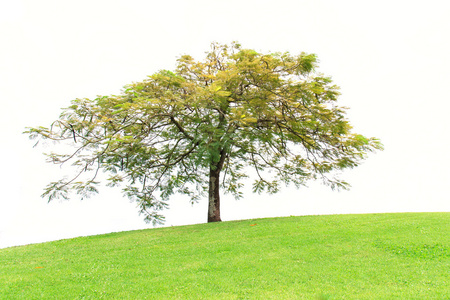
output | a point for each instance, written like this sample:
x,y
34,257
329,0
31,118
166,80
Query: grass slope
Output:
x,y
378,256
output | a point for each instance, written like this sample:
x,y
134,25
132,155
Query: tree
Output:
x,y
200,128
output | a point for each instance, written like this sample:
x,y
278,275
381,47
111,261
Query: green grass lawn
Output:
x,y
376,256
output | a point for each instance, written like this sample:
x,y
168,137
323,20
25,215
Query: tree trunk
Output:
x,y
214,188
214,196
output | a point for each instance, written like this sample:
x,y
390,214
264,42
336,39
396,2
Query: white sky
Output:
x,y
391,59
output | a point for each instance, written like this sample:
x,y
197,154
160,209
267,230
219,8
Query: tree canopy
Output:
x,y
197,130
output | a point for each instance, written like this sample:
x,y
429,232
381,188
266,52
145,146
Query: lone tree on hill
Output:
x,y
195,131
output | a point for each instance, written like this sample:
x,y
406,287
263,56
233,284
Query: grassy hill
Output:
x,y
377,256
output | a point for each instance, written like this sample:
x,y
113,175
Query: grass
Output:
x,y
377,256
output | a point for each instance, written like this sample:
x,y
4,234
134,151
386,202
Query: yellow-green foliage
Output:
x,y
210,120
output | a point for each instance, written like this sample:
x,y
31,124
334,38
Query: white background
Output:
x,y
391,59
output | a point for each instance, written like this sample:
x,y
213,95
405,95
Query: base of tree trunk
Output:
x,y
214,196
215,219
